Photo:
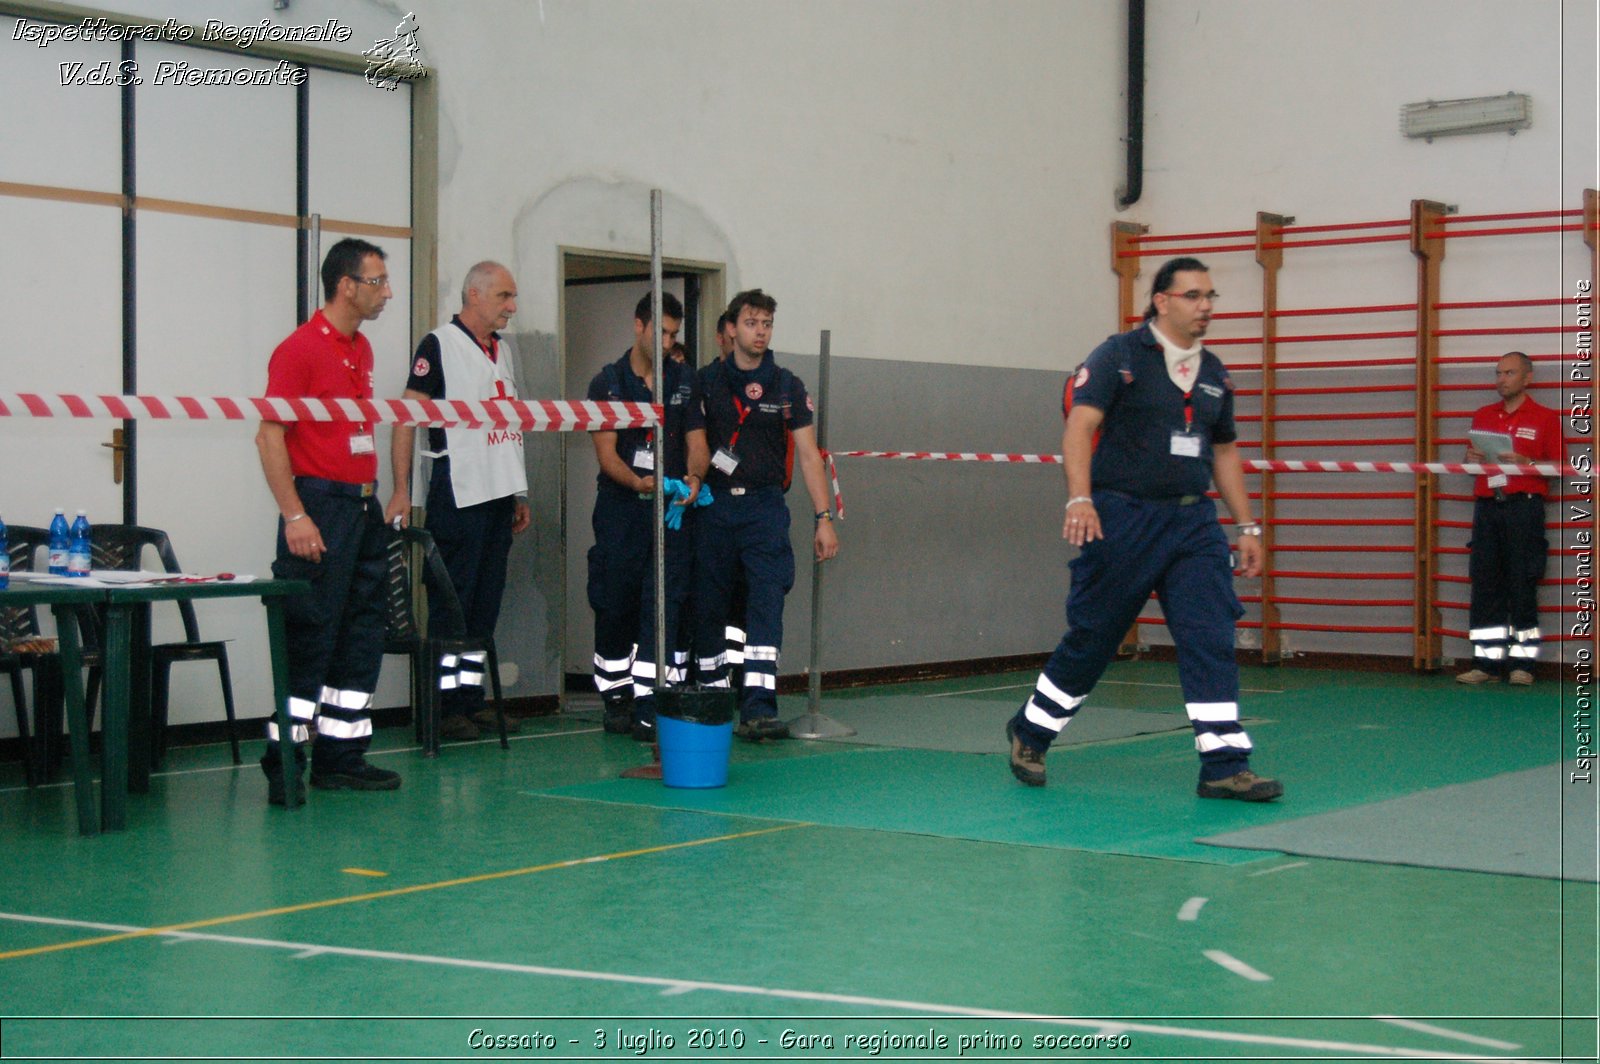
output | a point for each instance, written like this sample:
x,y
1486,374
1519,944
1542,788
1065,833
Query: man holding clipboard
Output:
x,y
1508,541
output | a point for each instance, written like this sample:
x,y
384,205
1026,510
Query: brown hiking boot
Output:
x,y
1245,786
1027,764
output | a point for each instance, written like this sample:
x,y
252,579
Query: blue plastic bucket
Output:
x,y
695,753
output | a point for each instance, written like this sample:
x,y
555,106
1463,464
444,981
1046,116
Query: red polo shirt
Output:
x,y
318,361
1535,432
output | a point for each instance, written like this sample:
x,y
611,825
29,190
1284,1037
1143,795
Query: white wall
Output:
x,y
923,178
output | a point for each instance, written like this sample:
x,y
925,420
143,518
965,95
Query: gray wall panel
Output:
x,y
939,561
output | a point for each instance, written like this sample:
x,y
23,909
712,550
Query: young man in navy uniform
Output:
x,y
621,568
478,488
1137,509
752,409
1509,548
323,476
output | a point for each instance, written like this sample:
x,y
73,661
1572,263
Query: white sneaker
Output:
x,y
1522,677
1475,677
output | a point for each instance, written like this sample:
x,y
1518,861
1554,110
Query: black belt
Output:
x,y
1507,496
319,486
1158,500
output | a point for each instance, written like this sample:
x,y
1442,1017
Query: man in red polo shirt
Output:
x,y
1508,542
323,476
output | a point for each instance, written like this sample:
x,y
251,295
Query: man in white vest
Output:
x,y
478,492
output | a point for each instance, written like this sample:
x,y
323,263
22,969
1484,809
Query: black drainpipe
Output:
x,y
1133,185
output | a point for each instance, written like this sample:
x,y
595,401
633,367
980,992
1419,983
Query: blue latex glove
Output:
x,y
677,493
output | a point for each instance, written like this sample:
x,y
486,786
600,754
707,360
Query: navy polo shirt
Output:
x,y
617,383
1126,377
771,399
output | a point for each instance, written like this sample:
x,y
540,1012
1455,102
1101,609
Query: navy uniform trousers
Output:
x,y
335,632
474,542
622,595
1180,553
743,534
1509,550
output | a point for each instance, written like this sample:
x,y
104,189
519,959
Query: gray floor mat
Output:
x,y
1531,823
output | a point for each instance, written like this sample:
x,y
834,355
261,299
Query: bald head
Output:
x,y
488,298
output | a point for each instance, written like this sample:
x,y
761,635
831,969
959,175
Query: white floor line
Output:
x,y
1279,868
1237,966
1102,683
1445,1032
1191,909
679,985
370,753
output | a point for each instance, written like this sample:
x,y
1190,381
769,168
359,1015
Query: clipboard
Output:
x,y
1492,444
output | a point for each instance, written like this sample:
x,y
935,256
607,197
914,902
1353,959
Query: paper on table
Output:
x,y
1492,444
124,576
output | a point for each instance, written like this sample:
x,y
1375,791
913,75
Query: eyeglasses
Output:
x,y
1194,295
371,282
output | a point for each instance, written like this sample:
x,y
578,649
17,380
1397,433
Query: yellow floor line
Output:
x,y
419,888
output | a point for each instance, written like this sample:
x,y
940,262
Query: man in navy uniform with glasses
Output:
x,y
1137,509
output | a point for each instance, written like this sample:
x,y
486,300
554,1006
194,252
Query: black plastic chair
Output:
x,y
122,547
444,635
22,623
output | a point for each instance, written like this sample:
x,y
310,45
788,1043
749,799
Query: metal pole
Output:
x,y
815,724
313,268
659,535
814,678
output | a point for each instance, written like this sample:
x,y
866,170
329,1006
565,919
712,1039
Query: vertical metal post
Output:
x,y
313,266
814,686
130,295
814,724
659,535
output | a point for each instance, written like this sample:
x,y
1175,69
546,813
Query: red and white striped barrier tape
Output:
x,y
956,456
549,415
1542,469
833,478
1255,465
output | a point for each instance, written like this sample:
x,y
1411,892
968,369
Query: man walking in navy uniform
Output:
x,y
753,409
478,487
323,476
1137,509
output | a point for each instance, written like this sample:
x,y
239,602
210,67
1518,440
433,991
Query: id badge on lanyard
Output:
x,y
1186,444
725,461
361,440
644,456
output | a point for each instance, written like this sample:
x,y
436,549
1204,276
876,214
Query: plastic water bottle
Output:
x,y
60,539
78,547
5,558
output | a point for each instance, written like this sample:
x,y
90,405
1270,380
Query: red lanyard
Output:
x,y
744,412
1188,411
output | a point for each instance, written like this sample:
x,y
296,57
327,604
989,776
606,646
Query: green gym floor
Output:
x,y
894,897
